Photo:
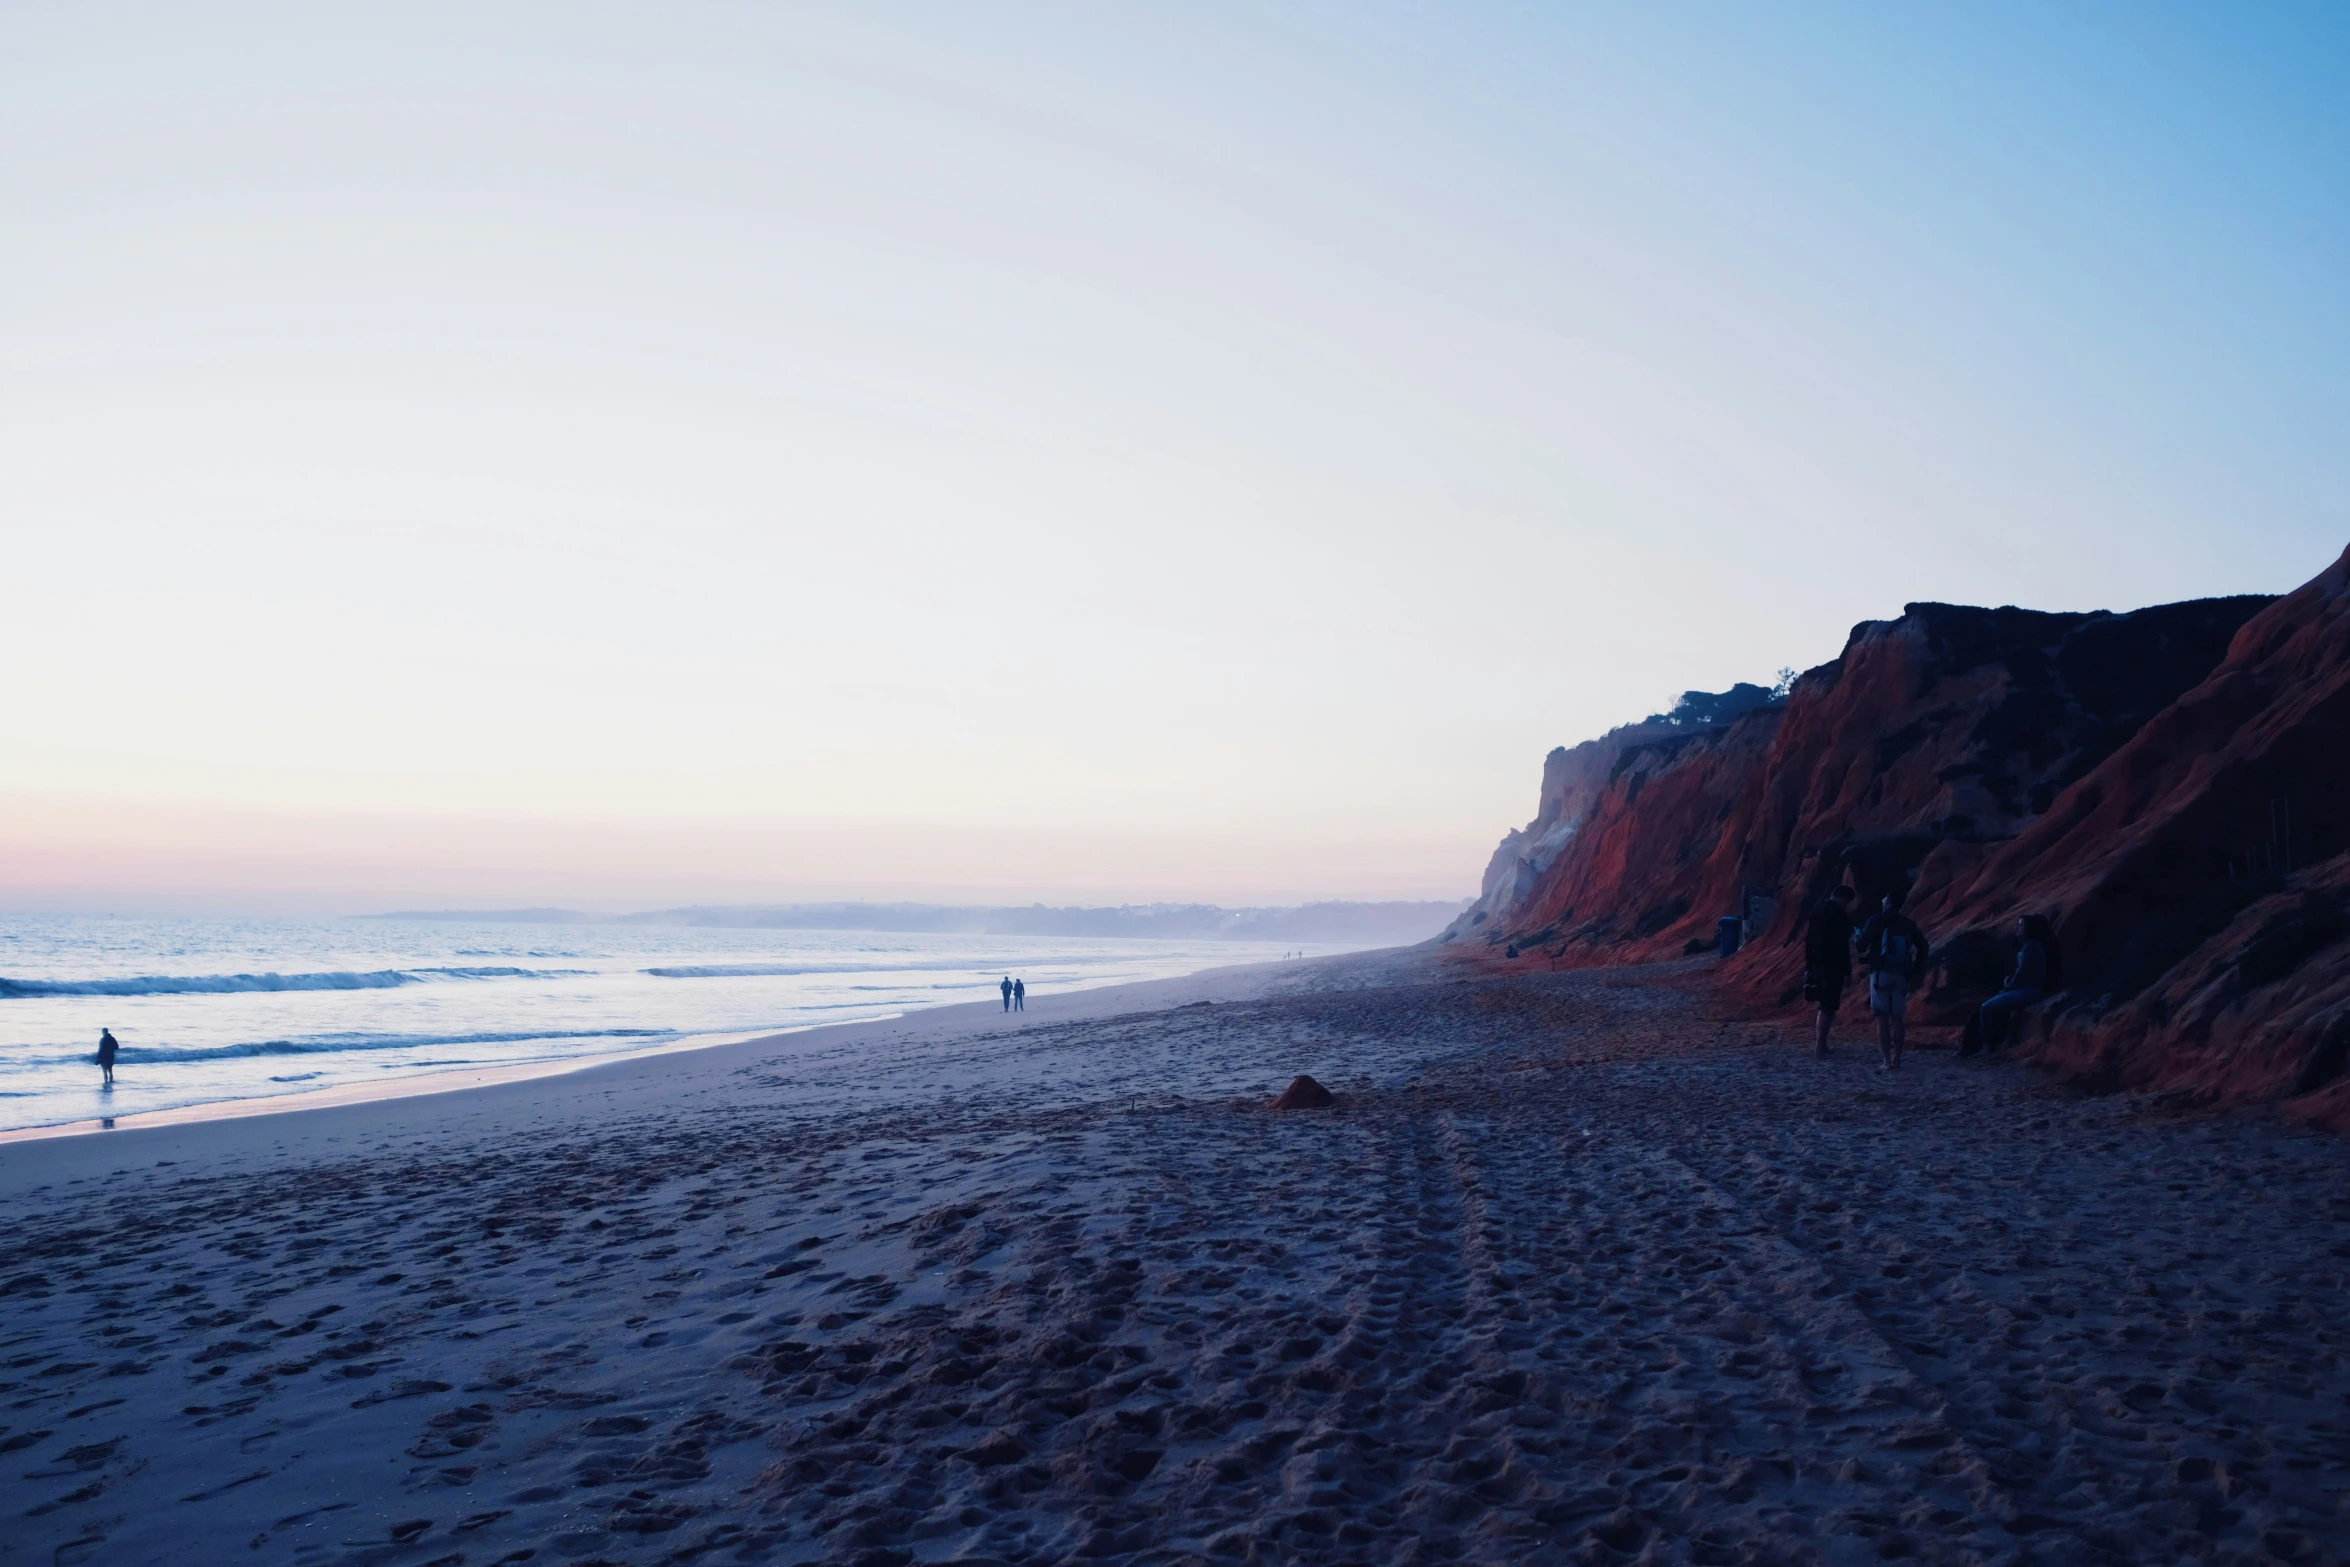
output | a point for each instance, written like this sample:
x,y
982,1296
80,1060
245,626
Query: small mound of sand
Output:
x,y
1303,1093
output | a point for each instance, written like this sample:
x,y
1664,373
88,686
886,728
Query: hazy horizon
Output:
x,y
530,455
91,858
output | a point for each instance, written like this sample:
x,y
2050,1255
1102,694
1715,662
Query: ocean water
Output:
x,y
212,1009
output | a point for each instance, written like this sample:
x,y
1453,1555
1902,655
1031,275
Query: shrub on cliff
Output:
x,y
1711,709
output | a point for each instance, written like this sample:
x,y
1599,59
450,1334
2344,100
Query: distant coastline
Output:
x,y
1395,923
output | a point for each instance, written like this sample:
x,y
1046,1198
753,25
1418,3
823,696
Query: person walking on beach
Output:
x,y
106,1051
1893,950
1019,995
1827,960
1007,989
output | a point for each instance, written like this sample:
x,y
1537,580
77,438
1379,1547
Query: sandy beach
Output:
x,y
1582,1267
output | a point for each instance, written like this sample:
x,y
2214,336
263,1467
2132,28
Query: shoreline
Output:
x,y
453,1080
459,1079
206,1055
565,1092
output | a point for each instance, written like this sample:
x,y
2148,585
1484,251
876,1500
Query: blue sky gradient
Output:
x,y
732,450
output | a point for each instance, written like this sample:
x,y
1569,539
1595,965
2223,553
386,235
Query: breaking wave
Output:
x,y
230,984
956,966
758,970
326,1043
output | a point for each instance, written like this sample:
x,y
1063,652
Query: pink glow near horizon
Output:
x,y
126,858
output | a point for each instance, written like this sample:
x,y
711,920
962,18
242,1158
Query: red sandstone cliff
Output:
x,y
2201,876
2166,783
1573,781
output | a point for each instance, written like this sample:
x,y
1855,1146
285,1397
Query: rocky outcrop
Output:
x,y
2167,784
1573,779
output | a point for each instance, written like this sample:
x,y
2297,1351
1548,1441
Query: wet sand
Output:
x,y
1580,1268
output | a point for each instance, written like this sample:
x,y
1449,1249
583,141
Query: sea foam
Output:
x,y
230,984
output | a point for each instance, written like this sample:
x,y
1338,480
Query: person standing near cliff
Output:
x,y
1827,960
1006,987
1019,995
107,1047
1893,950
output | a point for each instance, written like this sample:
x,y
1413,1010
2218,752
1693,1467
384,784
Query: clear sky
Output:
x,y
626,454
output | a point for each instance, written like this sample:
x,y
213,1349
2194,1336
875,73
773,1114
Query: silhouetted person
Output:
x,y
1019,995
1893,950
106,1052
1007,989
1827,960
2036,974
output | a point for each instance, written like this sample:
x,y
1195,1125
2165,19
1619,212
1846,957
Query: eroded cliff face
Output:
x,y
1573,780
1572,777
1928,742
2169,785
2200,878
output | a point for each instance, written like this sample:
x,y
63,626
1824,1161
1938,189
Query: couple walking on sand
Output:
x,y
1015,994
1890,947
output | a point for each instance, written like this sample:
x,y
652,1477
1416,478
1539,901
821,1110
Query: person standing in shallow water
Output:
x,y
106,1052
1827,961
1019,995
1007,989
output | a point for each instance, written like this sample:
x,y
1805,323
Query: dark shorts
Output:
x,y
1829,989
